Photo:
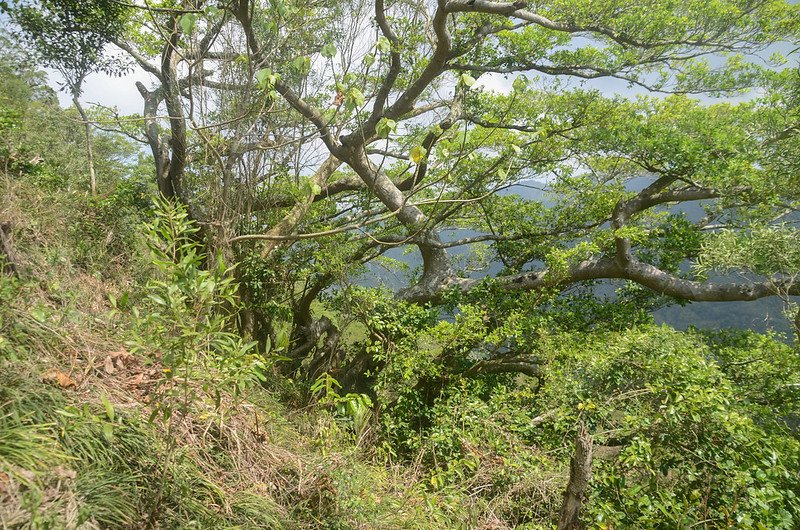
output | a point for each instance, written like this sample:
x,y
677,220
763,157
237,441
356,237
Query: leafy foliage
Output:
x,y
549,215
192,313
71,35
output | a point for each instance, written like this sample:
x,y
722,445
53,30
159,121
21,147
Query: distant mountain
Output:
x,y
760,315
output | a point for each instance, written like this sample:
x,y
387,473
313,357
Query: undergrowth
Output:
x,y
79,447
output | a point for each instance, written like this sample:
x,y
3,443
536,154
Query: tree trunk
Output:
x,y
89,155
157,145
579,474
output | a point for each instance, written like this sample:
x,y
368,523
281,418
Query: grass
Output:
x,y
61,468
26,449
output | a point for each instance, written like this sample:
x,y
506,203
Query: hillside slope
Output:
x,y
77,449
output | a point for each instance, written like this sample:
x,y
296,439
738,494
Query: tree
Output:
x,y
334,142
425,151
71,36
629,55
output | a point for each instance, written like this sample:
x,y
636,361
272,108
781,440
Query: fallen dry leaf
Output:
x,y
64,472
120,354
108,365
55,377
136,380
118,360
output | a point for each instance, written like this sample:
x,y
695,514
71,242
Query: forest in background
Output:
x,y
373,264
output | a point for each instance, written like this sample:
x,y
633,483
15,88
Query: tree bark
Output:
x,y
87,127
159,148
797,325
580,473
290,221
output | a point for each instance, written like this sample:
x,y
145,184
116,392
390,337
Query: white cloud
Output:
x,y
106,90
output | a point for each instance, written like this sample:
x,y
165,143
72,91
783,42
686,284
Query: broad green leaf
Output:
x,y
280,7
467,80
187,22
328,51
282,340
383,45
266,79
385,127
417,153
302,64
261,75
108,406
355,98
108,432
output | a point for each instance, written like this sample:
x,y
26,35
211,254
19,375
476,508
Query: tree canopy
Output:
x,y
332,132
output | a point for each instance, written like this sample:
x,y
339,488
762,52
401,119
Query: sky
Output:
x,y
106,90
121,91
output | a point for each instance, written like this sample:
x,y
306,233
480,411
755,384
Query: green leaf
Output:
x,y
302,65
38,314
417,153
383,45
187,22
282,340
108,406
355,98
467,80
520,83
266,79
280,8
262,75
369,59
328,51
157,299
108,431
385,127
316,189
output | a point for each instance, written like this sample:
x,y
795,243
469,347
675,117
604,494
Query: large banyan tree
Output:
x,y
549,144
